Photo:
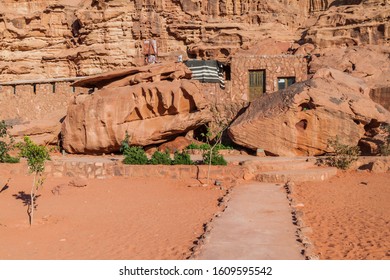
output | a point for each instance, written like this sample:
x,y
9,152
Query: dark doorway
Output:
x,y
256,83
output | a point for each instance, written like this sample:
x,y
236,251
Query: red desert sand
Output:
x,y
108,219
349,215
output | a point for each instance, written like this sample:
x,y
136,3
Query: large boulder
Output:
x,y
301,119
44,131
154,110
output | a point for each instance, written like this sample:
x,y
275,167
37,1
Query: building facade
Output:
x,y
255,75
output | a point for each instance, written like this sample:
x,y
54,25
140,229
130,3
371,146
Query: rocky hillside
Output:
x,y
62,38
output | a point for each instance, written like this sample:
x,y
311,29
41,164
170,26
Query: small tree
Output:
x,y
36,157
210,155
4,146
214,158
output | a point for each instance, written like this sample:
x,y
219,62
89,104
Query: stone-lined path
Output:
x,y
257,224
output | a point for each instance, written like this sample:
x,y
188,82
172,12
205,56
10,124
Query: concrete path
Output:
x,y
257,224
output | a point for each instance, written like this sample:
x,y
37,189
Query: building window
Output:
x,y
285,82
256,83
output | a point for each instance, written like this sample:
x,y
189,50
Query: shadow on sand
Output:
x,y
26,199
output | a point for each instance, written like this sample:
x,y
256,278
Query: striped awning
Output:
x,y
207,71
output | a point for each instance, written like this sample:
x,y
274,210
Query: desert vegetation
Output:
x,y
6,144
137,155
36,157
342,156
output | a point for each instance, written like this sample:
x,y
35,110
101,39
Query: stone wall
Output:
x,y
40,88
275,66
104,168
25,101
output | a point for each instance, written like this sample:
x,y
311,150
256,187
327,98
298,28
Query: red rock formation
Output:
x,y
150,112
370,63
351,23
62,38
58,38
301,119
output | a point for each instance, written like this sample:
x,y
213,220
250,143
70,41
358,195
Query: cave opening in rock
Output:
x,y
301,125
307,105
200,132
76,26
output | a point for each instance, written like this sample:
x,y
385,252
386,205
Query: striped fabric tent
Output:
x,y
207,71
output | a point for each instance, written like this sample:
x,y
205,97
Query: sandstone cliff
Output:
x,y
58,38
350,23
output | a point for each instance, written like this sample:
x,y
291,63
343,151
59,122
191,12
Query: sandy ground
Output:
x,y
349,215
109,219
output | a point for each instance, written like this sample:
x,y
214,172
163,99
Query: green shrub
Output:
x,y
343,155
221,146
4,147
216,159
161,158
182,158
10,159
135,155
205,146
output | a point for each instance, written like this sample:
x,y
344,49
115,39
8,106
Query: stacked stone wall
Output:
x,y
104,169
26,101
275,66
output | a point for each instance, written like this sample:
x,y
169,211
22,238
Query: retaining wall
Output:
x,y
108,169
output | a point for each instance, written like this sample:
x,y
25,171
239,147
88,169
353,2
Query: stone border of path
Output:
x,y
257,224
308,250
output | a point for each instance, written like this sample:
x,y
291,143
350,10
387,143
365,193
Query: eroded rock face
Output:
x,y
150,112
370,63
301,119
43,131
63,38
350,23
